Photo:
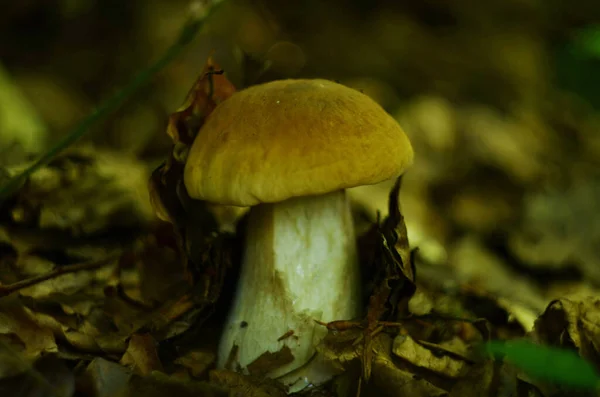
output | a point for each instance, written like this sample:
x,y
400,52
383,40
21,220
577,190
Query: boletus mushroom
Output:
x,y
288,149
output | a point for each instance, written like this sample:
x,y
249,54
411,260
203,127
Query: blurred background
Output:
x,y
500,99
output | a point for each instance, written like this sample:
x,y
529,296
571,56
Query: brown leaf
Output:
x,y
166,183
428,357
161,269
389,380
392,275
83,192
196,362
572,324
22,338
269,361
141,355
314,374
194,224
160,385
488,378
340,347
246,386
80,338
48,377
211,88
393,272
103,378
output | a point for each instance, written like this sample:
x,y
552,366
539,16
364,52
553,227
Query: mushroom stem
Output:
x,y
300,265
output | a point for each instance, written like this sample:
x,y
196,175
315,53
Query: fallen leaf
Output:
x,y
389,380
240,385
47,377
427,357
391,275
22,339
551,235
211,88
103,378
141,355
196,362
65,195
572,324
488,378
158,384
317,372
340,347
270,361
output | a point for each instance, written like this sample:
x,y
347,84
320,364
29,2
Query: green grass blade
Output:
x,y
187,34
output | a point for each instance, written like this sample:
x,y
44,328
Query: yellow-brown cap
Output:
x,y
291,138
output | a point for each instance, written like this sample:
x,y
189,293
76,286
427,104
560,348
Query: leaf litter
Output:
x,y
100,298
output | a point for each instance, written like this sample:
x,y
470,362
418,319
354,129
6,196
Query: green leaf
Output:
x,y
587,41
577,65
545,363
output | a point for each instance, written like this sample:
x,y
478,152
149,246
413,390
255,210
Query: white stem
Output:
x,y
300,265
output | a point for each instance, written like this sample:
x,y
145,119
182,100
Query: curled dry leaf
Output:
x,y
572,324
211,88
392,274
391,269
204,252
389,380
166,183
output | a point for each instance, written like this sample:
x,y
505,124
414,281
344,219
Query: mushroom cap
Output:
x,y
291,138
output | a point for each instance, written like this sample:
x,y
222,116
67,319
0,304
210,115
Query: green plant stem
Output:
x,y
187,34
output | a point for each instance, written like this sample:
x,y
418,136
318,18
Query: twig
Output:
x,y
200,12
59,271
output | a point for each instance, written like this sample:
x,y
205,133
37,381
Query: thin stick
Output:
x,y
59,271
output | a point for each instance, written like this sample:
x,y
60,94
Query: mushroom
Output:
x,y
288,149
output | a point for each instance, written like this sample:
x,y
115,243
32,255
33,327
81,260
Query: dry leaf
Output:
x,y
389,380
427,357
560,227
196,362
340,347
246,386
572,324
391,274
103,378
47,377
66,196
486,379
160,385
141,355
270,361
211,88
22,338
313,375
